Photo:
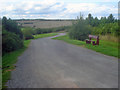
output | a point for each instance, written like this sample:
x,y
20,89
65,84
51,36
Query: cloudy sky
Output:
x,y
57,9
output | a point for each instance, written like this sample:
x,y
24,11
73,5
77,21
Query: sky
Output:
x,y
57,9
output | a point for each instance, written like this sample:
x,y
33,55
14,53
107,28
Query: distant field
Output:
x,y
44,24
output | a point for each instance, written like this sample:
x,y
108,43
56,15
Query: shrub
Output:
x,y
108,28
28,32
28,36
79,30
11,26
10,42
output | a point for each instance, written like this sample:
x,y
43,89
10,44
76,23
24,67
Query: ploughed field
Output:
x,y
44,24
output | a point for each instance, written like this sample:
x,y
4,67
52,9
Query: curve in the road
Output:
x,y
51,63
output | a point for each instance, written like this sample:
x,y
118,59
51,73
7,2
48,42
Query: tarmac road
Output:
x,y
51,63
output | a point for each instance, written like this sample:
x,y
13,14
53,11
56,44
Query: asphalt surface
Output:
x,y
49,63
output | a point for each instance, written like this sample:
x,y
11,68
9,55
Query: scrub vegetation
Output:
x,y
106,26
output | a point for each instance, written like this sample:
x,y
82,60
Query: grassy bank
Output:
x,y
105,47
44,35
9,59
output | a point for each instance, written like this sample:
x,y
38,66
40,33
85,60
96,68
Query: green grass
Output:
x,y
9,59
105,47
44,35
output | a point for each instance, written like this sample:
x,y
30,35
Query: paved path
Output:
x,y
51,63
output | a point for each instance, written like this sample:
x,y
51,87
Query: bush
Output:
x,y
28,36
11,36
11,26
79,30
10,42
108,28
28,32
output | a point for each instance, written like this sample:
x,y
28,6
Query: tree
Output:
x,y
11,36
10,42
11,26
90,19
110,19
4,23
96,21
103,20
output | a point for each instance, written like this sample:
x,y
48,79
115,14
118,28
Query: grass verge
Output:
x,y
44,35
105,47
8,61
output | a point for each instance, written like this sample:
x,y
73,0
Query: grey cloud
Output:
x,y
43,10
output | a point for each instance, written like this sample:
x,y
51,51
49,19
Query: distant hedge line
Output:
x,y
28,32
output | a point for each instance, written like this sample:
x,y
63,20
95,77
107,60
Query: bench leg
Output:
x,y
88,42
93,43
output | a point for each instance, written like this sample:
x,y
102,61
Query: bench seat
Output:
x,y
88,41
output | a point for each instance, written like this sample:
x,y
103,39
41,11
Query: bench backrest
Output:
x,y
93,36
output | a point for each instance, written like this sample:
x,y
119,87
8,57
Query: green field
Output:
x,y
9,59
105,47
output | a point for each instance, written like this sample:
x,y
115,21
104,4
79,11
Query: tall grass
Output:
x,y
108,37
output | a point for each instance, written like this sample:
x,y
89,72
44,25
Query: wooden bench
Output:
x,y
88,41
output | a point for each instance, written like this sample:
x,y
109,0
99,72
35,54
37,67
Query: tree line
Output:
x,y
90,25
103,20
28,32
